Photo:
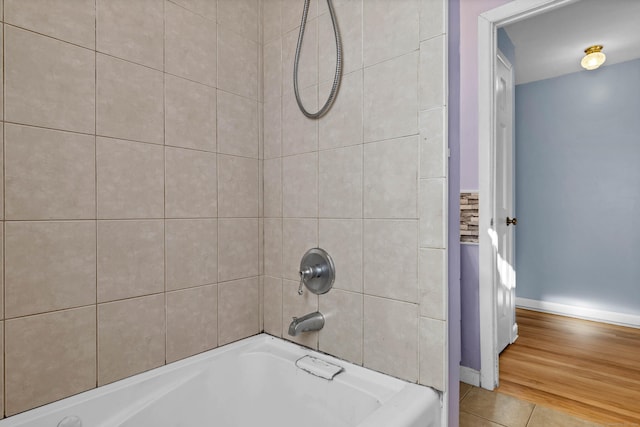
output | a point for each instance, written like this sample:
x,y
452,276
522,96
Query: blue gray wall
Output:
x,y
506,46
578,189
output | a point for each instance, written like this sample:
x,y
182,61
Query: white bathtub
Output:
x,y
253,382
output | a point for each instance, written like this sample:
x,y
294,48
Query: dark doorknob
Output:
x,y
512,221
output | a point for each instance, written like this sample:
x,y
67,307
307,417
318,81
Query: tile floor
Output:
x,y
483,408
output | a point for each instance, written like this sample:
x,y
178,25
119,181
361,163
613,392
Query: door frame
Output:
x,y
513,327
488,24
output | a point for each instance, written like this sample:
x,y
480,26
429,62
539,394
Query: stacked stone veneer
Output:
x,y
469,217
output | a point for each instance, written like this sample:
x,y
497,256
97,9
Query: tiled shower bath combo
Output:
x,y
161,185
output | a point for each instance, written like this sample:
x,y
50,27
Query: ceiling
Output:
x,y
552,44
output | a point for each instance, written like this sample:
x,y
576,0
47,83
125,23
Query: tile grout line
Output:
x,y
281,267
362,105
164,175
95,152
4,237
217,184
317,153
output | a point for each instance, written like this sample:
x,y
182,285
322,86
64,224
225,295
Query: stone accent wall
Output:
x,y
469,217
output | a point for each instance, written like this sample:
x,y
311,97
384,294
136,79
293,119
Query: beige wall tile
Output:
x,y
350,24
433,231
271,20
237,125
237,248
2,287
2,75
206,8
238,310
241,16
391,259
300,185
299,134
192,321
2,180
238,67
49,174
190,49
65,256
73,22
342,239
308,65
390,331
238,185
342,332
190,184
390,108
2,385
292,13
191,252
272,181
342,126
131,337
273,247
273,306
340,190
272,68
433,353
136,271
433,18
294,305
190,114
433,145
390,29
32,343
130,179
299,235
391,178
433,79
261,252
132,30
272,113
48,83
130,101
433,287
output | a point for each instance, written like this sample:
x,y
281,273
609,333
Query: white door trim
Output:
x,y
488,24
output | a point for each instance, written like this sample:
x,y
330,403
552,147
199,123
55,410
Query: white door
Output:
x,y
505,277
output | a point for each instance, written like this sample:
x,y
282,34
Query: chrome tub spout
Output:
x,y
310,322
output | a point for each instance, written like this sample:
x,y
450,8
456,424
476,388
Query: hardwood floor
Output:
x,y
587,369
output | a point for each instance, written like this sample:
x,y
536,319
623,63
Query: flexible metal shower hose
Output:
x,y
338,75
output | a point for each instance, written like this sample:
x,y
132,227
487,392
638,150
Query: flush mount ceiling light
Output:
x,y
593,57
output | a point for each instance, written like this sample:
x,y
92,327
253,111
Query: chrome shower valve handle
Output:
x,y
317,271
300,290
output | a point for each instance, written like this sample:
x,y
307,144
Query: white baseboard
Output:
x,y
612,317
469,376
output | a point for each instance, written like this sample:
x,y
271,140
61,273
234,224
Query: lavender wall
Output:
x,y
469,286
454,314
469,12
